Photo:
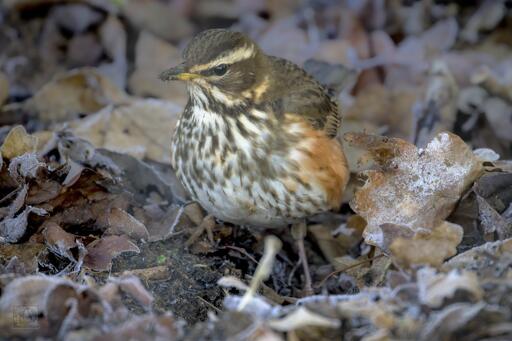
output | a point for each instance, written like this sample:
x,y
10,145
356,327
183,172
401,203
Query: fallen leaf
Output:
x,y
131,285
142,129
152,55
27,254
302,317
101,252
13,229
158,18
24,167
414,189
434,288
17,143
28,291
81,91
120,222
59,241
447,322
430,247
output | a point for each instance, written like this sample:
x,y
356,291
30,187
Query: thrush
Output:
x,y
256,144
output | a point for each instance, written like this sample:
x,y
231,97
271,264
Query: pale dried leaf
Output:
x,y
152,55
302,317
78,91
17,143
142,129
430,247
158,18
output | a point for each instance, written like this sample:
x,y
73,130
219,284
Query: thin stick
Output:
x,y
348,268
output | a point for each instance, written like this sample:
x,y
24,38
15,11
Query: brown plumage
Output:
x,y
256,143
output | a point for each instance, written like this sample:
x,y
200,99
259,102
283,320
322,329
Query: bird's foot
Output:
x,y
299,231
208,224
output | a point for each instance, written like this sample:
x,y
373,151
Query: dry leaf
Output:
x,y
158,18
302,317
27,254
120,222
17,143
13,229
142,129
415,189
24,167
59,241
132,286
81,91
429,247
101,252
27,291
434,288
152,55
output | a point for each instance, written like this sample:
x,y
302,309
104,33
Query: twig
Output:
x,y
242,251
209,304
347,268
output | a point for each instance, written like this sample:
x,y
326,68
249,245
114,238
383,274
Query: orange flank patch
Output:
x,y
324,161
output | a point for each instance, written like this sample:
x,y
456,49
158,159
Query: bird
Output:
x,y
256,143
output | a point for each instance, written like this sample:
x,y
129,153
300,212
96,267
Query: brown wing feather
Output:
x,y
295,91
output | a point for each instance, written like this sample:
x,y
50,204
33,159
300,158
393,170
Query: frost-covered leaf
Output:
x,y
12,229
415,189
434,288
300,318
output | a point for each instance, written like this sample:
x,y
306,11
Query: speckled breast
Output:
x,y
242,171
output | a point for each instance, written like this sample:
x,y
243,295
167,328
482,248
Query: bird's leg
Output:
x,y
299,231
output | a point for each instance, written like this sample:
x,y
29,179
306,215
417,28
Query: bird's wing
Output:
x,y
299,93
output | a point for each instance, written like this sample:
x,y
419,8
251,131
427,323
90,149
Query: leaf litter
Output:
x,y
94,224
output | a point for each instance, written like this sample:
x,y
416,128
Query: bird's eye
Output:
x,y
220,70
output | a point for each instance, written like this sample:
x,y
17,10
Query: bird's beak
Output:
x,y
177,73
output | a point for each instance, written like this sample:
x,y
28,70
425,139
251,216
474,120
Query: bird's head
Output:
x,y
224,64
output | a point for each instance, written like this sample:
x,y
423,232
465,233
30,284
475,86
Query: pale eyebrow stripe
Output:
x,y
235,56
